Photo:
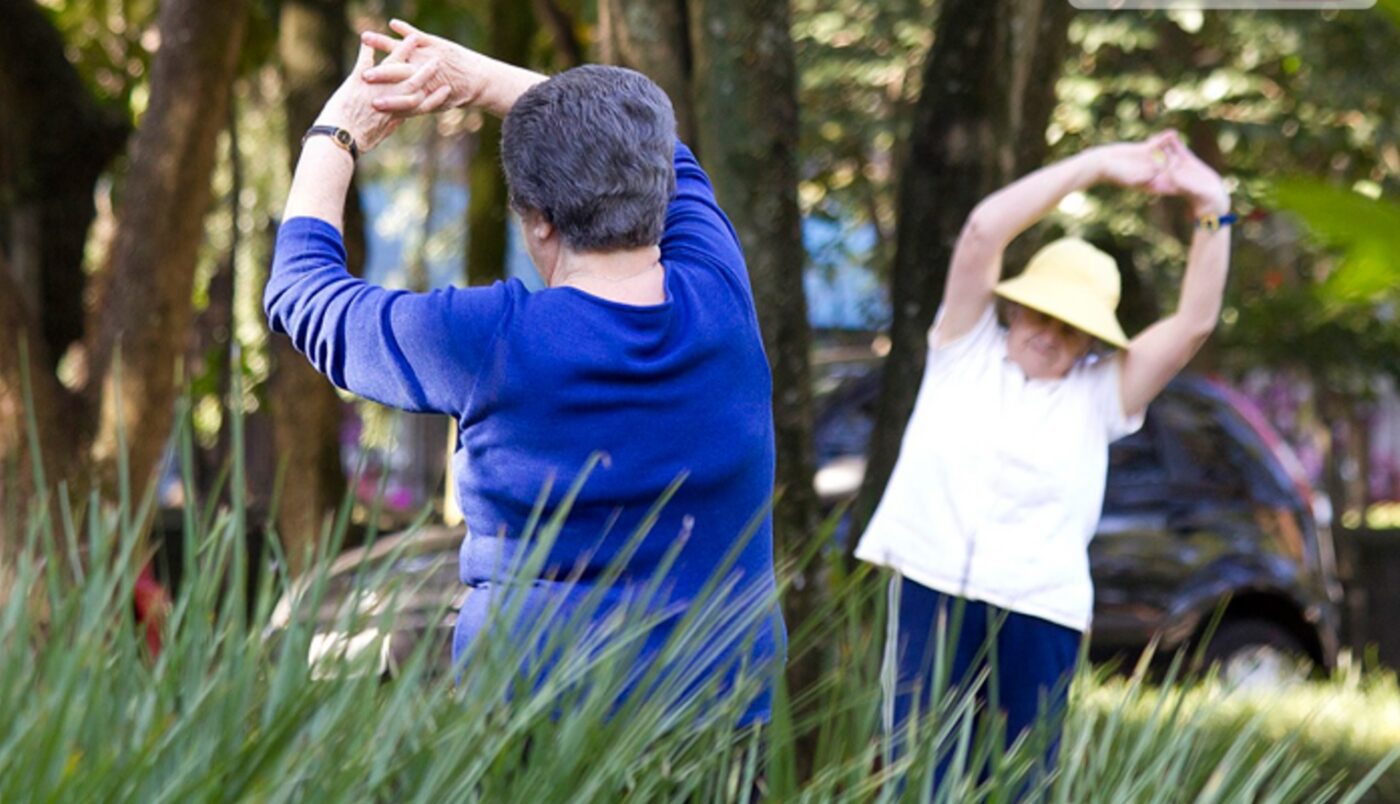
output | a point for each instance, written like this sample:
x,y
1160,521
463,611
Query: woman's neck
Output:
x,y
630,276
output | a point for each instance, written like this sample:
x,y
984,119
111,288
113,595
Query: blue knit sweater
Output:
x,y
541,382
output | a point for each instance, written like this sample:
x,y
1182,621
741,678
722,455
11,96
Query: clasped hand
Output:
x,y
414,78
1163,165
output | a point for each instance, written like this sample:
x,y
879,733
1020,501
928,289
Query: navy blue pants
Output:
x,y
1031,661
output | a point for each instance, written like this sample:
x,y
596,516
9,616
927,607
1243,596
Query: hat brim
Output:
x,y
1067,304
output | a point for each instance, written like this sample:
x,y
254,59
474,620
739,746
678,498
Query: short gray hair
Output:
x,y
590,150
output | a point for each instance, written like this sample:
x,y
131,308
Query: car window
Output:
x,y
1205,457
1137,476
847,414
830,379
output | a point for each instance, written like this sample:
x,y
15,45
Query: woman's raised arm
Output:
x,y
1163,349
1001,216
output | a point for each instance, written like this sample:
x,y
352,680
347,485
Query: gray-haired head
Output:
x,y
590,150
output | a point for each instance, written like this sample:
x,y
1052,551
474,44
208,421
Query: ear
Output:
x,y
536,224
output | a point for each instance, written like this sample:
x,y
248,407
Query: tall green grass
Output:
x,y
233,710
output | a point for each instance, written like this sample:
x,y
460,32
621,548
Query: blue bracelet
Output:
x,y
1212,223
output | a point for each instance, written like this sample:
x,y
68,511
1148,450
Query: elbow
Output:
x,y
276,305
294,279
1196,330
979,230
269,304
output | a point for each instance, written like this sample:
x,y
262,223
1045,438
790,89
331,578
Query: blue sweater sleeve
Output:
x,y
696,228
420,352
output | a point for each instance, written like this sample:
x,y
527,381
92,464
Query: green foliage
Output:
x,y
111,43
1348,725
1392,8
1340,321
1260,95
232,708
859,74
1366,230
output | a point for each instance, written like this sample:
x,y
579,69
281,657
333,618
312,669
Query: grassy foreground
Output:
x,y
231,709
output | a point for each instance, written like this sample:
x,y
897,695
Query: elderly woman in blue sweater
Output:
x,y
644,346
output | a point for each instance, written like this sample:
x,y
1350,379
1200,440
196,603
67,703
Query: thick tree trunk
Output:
x,y
653,37
512,26
988,90
745,90
568,51
57,417
54,143
144,310
306,410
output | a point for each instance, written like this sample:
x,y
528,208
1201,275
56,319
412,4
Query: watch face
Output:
x,y
343,137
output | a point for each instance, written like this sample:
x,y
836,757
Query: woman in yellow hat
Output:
x,y
1000,479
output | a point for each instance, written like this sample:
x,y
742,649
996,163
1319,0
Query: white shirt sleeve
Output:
x,y
976,341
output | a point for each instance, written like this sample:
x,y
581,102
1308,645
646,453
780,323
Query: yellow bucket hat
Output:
x,y
1074,282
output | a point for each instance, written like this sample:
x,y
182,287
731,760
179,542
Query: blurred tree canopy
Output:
x,y
1297,109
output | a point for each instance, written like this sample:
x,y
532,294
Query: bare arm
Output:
x,y
416,351
324,169
1001,216
1163,349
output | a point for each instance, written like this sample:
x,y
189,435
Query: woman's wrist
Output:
x,y
1093,166
336,114
464,69
1216,203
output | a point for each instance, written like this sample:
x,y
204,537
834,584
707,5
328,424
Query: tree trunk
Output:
x,y
144,310
54,143
416,271
306,410
653,37
988,91
512,26
488,208
745,92
568,51
58,422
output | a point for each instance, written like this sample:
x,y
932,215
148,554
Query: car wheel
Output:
x,y
1258,654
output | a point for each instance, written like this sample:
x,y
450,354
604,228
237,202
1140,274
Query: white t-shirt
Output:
x,y
1000,479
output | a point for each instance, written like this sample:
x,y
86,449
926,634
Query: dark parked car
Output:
x,y
1205,509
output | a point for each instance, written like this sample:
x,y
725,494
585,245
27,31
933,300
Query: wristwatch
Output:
x,y
1212,223
338,135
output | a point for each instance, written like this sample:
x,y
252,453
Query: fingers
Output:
x,y
410,91
379,42
402,50
402,104
403,29
409,104
1161,184
434,101
364,59
390,73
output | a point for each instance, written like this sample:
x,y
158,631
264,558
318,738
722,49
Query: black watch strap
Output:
x,y
341,137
